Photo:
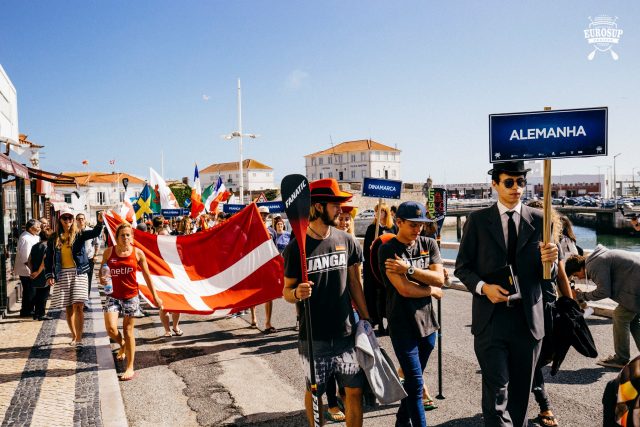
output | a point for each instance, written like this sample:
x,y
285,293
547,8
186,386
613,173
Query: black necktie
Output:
x,y
512,241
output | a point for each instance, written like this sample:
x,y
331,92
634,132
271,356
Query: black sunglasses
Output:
x,y
510,181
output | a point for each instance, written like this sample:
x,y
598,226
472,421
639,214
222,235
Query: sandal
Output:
x,y
547,420
178,332
269,330
428,404
168,334
334,417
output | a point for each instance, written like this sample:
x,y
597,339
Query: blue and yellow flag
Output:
x,y
144,203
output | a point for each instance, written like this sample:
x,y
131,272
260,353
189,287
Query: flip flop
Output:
x,y
168,334
334,417
270,330
428,404
135,374
253,326
178,332
547,420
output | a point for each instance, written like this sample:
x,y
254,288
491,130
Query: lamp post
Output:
x,y
615,184
240,135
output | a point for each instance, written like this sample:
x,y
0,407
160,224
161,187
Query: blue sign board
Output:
x,y
548,134
274,207
381,188
231,208
172,213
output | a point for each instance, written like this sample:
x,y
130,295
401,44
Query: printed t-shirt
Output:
x,y
327,264
123,275
410,317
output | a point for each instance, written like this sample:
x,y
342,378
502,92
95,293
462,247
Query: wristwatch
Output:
x,y
411,270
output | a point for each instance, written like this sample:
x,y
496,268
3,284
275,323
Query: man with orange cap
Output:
x,y
334,281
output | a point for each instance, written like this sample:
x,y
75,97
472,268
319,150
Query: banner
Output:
x,y
381,188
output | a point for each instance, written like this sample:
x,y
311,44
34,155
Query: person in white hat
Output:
x,y
66,266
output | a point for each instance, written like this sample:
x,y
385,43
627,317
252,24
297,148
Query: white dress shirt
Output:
x,y
25,243
504,218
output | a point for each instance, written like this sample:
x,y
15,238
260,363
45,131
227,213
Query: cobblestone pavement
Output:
x,y
44,381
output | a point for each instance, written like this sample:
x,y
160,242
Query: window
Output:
x,y
353,174
67,198
363,157
321,175
363,173
254,174
101,197
329,159
121,197
313,161
378,173
330,174
320,160
353,157
313,176
393,173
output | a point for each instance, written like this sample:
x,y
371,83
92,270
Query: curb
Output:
x,y
111,404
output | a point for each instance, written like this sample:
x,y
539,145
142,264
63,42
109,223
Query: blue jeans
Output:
x,y
413,355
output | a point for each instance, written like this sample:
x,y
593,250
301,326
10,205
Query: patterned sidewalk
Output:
x,y
44,381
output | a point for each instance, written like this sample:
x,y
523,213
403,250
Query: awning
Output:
x,y
12,167
56,178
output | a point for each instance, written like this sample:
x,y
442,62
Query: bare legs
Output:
x,y
164,318
75,321
127,342
353,407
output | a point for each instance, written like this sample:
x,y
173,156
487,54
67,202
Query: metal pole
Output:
x,y
240,132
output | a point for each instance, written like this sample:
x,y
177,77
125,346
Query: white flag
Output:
x,y
167,199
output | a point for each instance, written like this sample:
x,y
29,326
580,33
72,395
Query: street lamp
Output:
x,y
615,184
240,135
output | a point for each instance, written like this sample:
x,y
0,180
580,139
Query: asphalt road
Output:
x,y
221,372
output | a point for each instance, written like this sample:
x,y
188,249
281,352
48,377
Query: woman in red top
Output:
x,y
124,261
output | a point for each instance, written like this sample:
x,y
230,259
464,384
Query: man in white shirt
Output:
x,y
25,242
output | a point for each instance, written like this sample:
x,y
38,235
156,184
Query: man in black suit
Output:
x,y
507,331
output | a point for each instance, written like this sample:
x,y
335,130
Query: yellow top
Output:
x,y
67,257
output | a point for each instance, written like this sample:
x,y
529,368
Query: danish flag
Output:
x,y
228,268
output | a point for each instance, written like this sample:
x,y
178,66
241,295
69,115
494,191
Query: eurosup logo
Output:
x,y
603,33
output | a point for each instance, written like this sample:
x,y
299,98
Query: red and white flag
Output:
x,y
228,268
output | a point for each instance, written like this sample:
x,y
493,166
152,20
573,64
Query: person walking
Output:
x,y
268,306
332,258
123,262
38,281
66,266
282,236
160,229
615,273
26,241
507,337
412,273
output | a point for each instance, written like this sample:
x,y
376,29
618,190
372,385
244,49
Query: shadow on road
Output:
x,y
579,376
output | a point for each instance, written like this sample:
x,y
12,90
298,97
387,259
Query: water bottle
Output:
x,y
106,274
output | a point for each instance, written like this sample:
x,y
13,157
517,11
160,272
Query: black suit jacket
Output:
x,y
483,250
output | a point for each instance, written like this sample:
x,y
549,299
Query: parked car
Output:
x,y
366,214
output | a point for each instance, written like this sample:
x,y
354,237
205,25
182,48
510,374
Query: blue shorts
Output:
x,y
127,307
336,357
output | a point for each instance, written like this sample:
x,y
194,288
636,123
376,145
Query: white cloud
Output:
x,y
205,97
296,79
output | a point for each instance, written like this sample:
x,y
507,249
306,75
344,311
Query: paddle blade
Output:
x,y
437,205
297,202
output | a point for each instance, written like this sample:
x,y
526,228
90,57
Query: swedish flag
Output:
x,y
142,206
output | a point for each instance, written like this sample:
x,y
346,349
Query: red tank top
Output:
x,y
123,275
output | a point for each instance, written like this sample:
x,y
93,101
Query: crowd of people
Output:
x,y
388,284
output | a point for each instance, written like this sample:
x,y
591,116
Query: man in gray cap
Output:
x,y
507,337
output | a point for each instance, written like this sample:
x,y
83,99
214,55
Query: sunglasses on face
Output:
x,y
510,181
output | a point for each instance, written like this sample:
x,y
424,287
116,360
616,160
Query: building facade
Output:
x,y
97,191
354,160
256,176
8,108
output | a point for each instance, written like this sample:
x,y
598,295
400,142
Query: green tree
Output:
x,y
182,192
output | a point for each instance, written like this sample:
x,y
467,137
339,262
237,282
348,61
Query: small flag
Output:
x,y
196,195
112,162
85,162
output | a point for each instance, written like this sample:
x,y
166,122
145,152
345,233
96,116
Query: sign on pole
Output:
x,y
381,188
274,207
548,134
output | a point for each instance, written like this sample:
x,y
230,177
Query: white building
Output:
x,y
256,176
96,191
8,109
353,160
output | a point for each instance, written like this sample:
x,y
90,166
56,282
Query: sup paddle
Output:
x,y
437,208
297,202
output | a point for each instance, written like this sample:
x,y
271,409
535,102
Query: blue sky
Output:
x,y
123,80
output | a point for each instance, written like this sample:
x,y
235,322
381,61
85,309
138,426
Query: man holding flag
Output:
x,y
334,281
